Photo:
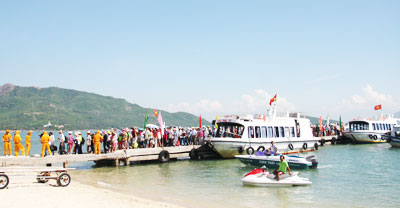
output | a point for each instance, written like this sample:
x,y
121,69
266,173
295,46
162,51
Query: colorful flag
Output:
x,y
340,122
200,121
378,107
216,125
161,123
155,113
272,100
327,120
320,123
145,120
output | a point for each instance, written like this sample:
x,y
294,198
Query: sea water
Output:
x,y
347,176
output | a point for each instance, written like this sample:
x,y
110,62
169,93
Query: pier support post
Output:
x,y
65,164
116,162
126,161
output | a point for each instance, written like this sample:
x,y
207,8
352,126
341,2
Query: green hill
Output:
x,y
32,107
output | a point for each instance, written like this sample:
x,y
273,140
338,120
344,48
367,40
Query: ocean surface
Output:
x,y
347,176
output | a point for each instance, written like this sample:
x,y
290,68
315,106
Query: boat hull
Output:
x,y
229,148
365,137
394,141
272,162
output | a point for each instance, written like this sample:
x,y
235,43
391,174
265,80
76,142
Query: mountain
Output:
x,y
33,107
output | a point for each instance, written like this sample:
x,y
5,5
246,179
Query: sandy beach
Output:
x,y
26,192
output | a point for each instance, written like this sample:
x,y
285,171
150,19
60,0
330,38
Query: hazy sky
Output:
x,y
204,57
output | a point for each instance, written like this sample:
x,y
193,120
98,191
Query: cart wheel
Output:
x,y
4,180
64,179
43,180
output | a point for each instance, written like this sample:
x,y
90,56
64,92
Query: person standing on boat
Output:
x,y
283,166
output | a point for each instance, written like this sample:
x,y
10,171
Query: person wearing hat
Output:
x,y
28,142
89,142
7,143
17,144
45,143
61,137
97,139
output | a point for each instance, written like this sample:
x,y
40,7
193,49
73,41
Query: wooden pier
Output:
x,y
163,154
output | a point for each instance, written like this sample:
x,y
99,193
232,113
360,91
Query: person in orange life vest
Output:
x,y
17,144
28,142
97,139
7,143
45,143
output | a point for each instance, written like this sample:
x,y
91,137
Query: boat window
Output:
x,y
358,125
373,126
297,128
377,127
292,132
251,132
380,126
264,132
282,132
287,132
387,126
258,132
390,127
233,130
276,132
270,132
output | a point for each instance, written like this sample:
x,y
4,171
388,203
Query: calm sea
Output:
x,y
347,176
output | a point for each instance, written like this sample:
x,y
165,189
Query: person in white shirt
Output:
x,y
61,138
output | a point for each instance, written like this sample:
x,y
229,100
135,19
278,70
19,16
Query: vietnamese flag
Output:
x,y
272,100
378,107
155,113
200,121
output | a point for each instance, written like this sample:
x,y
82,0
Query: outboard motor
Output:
x,y
313,160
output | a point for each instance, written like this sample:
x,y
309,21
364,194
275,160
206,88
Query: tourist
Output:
x,y
70,142
61,138
114,140
52,142
28,142
89,142
7,143
17,144
44,139
108,141
105,142
273,150
81,142
283,166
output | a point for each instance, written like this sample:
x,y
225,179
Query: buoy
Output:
x,y
305,146
333,141
240,150
290,146
163,156
250,151
316,146
260,148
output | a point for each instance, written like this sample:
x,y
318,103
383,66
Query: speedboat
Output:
x,y
260,177
364,131
294,161
393,137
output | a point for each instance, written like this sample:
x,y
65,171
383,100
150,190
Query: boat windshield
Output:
x,y
358,125
233,130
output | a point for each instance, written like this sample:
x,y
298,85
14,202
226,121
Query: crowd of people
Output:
x,y
107,141
327,130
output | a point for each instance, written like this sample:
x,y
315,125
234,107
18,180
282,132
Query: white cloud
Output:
x,y
256,102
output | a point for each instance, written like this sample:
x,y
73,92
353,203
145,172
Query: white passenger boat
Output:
x,y
370,131
238,135
258,177
394,137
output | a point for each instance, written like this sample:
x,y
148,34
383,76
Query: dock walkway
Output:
x,y
162,154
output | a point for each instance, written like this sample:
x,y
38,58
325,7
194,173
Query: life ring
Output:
x,y
316,146
260,147
305,146
375,137
370,136
194,154
333,141
250,151
163,156
322,142
290,146
240,150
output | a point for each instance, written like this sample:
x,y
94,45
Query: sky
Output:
x,y
336,58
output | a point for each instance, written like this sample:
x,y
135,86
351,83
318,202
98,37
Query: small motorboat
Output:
x,y
393,137
272,162
260,177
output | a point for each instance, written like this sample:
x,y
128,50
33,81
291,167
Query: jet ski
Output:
x,y
260,177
